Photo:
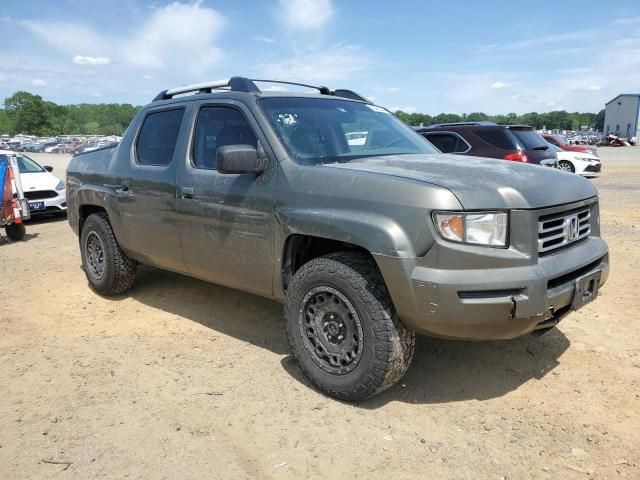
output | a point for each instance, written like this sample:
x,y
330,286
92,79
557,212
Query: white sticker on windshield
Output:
x,y
377,109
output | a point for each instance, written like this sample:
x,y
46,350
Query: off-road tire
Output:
x,y
15,231
388,346
119,270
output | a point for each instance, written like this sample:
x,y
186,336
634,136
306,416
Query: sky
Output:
x,y
431,57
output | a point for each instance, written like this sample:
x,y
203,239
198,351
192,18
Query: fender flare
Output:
x,y
104,197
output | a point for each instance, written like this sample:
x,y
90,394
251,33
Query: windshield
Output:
x,y
25,164
318,130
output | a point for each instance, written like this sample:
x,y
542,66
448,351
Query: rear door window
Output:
x,y
497,137
447,142
158,136
531,139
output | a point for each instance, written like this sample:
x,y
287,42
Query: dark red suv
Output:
x,y
518,143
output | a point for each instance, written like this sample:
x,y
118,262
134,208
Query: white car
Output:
x,y
584,164
45,192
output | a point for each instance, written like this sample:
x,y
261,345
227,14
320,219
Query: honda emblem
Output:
x,y
572,226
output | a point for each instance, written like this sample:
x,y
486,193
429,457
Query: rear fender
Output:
x,y
105,197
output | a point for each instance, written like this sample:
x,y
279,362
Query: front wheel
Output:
x,y
343,329
566,166
107,267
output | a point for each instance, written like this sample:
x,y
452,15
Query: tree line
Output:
x,y
32,115
560,120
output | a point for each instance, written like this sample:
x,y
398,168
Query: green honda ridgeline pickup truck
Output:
x,y
331,205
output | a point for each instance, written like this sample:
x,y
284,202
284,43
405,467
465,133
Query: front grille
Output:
x,y
558,230
40,194
593,168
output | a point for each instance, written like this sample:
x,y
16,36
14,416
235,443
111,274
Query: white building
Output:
x,y
622,116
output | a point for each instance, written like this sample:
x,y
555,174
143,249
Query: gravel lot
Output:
x,y
183,379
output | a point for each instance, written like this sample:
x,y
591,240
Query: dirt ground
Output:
x,y
183,379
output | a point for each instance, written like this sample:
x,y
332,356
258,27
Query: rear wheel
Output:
x,y
108,269
566,166
16,231
343,329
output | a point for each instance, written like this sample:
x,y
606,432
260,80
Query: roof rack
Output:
x,y
456,124
242,84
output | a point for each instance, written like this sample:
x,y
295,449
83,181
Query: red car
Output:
x,y
562,143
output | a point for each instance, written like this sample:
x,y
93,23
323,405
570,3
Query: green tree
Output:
x,y
598,121
28,113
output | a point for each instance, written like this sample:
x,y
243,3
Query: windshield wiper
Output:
x,y
541,147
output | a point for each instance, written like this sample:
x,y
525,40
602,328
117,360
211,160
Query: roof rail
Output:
x,y
241,84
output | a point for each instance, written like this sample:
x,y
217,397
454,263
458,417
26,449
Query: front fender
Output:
x,y
376,233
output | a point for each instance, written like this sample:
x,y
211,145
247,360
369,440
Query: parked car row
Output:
x,y
517,143
64,145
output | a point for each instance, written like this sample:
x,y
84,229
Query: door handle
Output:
x,y
187,193
123,187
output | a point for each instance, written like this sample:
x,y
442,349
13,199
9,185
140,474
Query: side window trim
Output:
x,y
140,128
454,134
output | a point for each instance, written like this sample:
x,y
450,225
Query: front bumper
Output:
x,y
57,204
493,304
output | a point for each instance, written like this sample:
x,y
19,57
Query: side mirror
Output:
x,y
48,168
237,159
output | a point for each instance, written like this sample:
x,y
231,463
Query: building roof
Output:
x,y
623,95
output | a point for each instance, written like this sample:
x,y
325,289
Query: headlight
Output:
x,y
60,185
477,228
588,160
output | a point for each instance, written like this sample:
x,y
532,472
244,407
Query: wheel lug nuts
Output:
x,y
340,337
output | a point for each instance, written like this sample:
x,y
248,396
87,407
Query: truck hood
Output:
x,y
482,183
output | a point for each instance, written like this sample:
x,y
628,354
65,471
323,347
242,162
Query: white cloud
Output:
x,y
593,88
263,39
67,37
274,88
178,36
550,104
333,63
81,60
516,96
626,21
146,76
393,89
499,85
97,95
38,82
305,14
371,99
2,77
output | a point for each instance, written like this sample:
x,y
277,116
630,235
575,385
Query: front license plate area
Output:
x,y
586,289
36,205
